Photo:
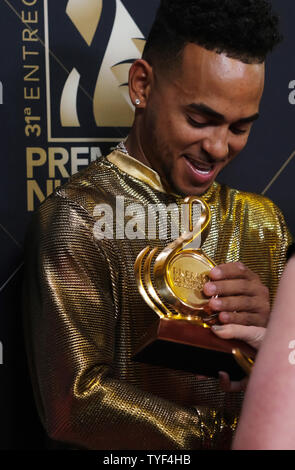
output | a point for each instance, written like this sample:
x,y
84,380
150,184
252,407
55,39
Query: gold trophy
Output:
x,y
172,285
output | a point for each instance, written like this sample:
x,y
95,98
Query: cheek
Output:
x,y
238,144
182,134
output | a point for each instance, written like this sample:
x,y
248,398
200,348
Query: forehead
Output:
x,y
218,80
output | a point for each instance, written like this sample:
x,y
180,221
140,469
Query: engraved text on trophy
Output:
x,y
188,279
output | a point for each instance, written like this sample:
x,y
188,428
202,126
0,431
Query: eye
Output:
x,y
195,123
238,131
244,129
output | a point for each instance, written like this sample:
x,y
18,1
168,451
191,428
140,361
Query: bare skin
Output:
x,y
268,414
191,122
243,299
199,115
252,335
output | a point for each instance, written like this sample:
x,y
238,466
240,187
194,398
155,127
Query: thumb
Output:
x,y
252,335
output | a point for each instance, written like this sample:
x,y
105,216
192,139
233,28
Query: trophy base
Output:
x,y
182,345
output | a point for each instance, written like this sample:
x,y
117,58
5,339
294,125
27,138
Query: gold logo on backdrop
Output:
x,y
112,106
86,16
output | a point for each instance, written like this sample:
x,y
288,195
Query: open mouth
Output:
x,y
201,167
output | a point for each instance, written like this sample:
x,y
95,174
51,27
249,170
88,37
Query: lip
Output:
x,y
203,175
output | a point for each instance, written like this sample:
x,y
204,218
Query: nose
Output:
x,y
216,144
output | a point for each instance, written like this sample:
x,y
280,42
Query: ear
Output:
x,y
140,80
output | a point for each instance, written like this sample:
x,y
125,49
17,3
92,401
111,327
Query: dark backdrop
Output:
x,y
52,56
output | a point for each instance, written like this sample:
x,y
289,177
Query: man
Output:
x,y
197,91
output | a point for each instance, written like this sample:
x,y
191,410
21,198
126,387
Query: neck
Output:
x,y
134,147
135,150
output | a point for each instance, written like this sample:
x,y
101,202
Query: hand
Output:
x,y
253,335
228,386
242,298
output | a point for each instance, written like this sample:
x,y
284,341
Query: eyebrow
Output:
x,y
204,109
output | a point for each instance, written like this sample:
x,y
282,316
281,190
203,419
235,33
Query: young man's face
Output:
x,y
198,118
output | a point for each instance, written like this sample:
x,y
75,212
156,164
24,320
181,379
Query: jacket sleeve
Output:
x,y
70,326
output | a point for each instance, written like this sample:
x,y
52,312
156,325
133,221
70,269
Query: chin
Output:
x,y
191,191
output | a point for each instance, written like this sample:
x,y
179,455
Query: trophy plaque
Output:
x,y
171,283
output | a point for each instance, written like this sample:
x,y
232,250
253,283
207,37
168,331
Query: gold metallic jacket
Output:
x,y
84,315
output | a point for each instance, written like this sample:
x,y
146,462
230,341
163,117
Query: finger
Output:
x,y
243,318
252,335
224,381
233,287
240,303
228,386
232,271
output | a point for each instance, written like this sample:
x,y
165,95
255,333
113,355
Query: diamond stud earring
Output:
x,y
137,101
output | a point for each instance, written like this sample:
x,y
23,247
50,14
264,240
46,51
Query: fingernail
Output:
x,y
217,327
222,376
216,272
216,303
242,267
211,288
224,317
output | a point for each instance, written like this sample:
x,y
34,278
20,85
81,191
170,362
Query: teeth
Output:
x,y
202,171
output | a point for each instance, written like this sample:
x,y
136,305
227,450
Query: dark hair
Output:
x,y
242,29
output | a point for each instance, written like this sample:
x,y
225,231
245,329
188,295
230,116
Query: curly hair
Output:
x,y
242,29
